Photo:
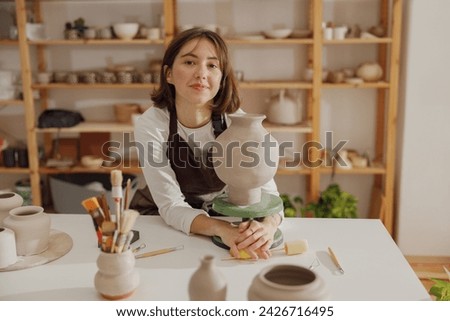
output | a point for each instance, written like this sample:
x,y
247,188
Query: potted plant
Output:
x,y
441,288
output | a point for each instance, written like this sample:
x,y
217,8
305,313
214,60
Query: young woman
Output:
x,y
197,91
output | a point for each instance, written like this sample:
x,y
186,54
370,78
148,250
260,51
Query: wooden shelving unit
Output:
x,y
388,48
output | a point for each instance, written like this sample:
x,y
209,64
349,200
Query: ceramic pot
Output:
x,y
284,109
31,227
8,201
370,71
207,283
246,158
287,283
8,253
116,278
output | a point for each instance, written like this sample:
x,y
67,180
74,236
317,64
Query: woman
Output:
x,y
197,91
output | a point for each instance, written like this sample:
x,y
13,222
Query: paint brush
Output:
x,y
108,229
127,194
129,218
158,252
93,208
117,193
104,205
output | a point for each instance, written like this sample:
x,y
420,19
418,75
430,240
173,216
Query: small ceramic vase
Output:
x,y
207,283
8,201
31,227
246,159
116,278
287,283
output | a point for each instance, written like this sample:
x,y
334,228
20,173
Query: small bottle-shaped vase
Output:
x,y
207,283
116,278
31,227
8,201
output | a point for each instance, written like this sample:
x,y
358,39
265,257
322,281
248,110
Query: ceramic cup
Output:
x,y
8,254
153,33
31,227
44,77
339,32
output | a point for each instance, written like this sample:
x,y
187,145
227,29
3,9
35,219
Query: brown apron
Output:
x,y
194,176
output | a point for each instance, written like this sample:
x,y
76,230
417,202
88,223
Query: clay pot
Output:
x,y
8,201
246,159
287,283
207,283
8,253
370,71
284,109
116,278
31,227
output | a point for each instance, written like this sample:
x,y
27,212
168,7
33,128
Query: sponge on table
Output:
x,y
295,247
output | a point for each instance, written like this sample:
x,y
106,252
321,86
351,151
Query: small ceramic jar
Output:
x,y
287,283
8,201
31,227
116,278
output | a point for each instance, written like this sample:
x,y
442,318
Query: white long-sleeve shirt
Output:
x,y
151,134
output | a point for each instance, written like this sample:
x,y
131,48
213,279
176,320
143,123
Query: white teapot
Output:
x,y
284,109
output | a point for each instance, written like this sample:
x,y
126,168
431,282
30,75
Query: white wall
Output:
x,y
423,183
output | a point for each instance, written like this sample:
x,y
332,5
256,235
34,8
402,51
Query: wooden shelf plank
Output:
x,y
275,84
8,42
93,86
287,41
78,42
90,127
376,169
358,41
11,102
81,169
14,170
379,84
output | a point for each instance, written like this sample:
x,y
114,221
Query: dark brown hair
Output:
x,y
227,99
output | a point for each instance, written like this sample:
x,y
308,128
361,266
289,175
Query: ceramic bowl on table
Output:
x,y
126,30
277,33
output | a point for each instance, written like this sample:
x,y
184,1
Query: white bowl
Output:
x,y
126,30
91,161
277,33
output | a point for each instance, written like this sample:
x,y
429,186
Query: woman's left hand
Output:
x,y
257,237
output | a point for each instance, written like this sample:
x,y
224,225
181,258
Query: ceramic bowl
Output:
x,y
126,30
91,161
277,33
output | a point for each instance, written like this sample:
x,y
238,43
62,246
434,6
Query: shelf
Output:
x,y
11,102
375,169
77,42
82,169
358,41
8,42
379,84
275,85
14,170
288,41
90,127
94,86
301,128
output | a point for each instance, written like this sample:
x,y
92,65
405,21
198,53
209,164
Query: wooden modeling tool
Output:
x,y
335,260
158,252
117,193
105,207
108,229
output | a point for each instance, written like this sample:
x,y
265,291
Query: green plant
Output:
x,y
440,289
291,205
332,203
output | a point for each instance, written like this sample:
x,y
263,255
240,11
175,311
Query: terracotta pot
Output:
x,y
8,201
287,283
247,159
31,227
116,277
207,283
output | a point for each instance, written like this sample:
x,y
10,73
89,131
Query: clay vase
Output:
x,y
287,283
116,278
8,201
246,158
369,72
207,283
31,227
284,109
8,253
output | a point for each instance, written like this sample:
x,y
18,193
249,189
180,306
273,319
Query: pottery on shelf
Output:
x,y
369,71
284,109
207,283
31,227
8,201
287,283
116,278
246,159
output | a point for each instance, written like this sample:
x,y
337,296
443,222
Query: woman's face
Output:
x,y
195,74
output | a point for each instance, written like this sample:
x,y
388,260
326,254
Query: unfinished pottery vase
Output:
x,y
247,159
31,227
207,283
116,278
8,201
287,283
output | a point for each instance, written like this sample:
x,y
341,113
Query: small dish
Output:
x,y
277,33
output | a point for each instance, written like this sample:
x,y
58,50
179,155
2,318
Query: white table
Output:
x,y
375,269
